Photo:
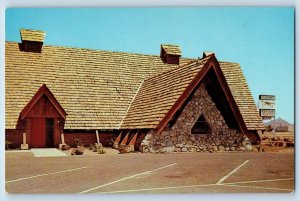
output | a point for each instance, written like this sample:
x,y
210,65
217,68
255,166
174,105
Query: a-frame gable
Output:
x,y
43,91
211,64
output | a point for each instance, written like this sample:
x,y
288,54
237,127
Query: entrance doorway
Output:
x,y
41,132
49,132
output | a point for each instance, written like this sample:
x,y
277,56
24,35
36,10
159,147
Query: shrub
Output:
x,y
7,144
79,147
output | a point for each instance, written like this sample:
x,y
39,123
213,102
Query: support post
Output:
x,y
24,138
24,145
97,136
62,137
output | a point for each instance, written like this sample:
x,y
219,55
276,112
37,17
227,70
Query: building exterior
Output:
x,y
153,103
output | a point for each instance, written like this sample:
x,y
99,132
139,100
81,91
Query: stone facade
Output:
x,y
179,138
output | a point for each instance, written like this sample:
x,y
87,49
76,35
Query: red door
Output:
x,y
38,132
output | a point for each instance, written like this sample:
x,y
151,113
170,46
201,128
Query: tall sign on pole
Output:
x,y
267,107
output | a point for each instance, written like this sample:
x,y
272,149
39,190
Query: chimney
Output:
x,y
170,54
32,40
207,53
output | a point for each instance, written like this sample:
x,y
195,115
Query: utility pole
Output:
x,y
274,124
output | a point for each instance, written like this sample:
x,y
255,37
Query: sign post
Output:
x,y
267,106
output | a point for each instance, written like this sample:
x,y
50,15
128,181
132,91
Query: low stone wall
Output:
x,y
179,138
154,143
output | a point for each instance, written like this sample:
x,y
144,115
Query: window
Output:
x,y
201,126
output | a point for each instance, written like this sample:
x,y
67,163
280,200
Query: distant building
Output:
x,y
158,103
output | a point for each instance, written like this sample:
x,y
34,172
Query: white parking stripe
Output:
x,y
40,175
153,189
203,185
257,187
119,180
267,180
232,172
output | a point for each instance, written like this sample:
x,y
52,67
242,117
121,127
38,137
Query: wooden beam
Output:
x,y
139,140
229,97
131,144
125,139
117,140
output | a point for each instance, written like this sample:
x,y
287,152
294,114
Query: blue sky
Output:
x,y
261,39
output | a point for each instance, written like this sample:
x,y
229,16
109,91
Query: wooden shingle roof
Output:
x,y
158,94
110,90
32,35
94,87
171,49
242,95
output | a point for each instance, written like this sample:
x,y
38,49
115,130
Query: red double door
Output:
x,y
41,132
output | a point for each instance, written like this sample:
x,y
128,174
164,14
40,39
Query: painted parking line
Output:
x,y
257,187
232,172
153,189
258,181
125,178
203,185
41,175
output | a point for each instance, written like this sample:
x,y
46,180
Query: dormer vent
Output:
x,y
170,54
32,40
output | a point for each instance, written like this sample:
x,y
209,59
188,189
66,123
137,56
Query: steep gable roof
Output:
x,y
160,95
94,87
43,90
242,95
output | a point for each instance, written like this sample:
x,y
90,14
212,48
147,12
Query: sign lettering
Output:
x,y
267,113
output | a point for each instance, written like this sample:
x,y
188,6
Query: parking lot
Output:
x,y
151,173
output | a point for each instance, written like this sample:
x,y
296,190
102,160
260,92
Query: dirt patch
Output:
x,y
281,142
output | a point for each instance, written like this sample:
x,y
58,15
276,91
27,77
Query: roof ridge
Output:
x,y
195,61
229,62
100,50
131,103
37,30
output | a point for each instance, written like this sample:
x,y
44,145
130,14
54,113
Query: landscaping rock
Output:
x,y
184,149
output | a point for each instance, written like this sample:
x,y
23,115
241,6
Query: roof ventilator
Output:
x,y
170,54
32,40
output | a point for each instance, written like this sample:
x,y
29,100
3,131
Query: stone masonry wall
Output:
x,y
179,137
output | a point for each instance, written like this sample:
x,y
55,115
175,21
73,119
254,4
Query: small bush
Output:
x,y
7,144
78,142
79,147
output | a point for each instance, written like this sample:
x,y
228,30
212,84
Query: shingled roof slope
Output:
x,y
172,49
242,95
94,87
157,95
32,35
